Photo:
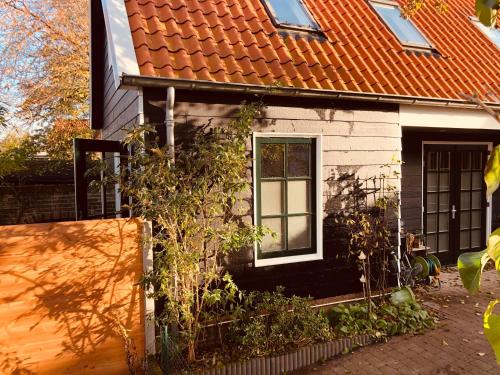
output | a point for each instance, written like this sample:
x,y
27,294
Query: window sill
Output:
x,y
287,260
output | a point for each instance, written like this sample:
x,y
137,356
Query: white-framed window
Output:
x,y
291,14
404,29
288,197
493,33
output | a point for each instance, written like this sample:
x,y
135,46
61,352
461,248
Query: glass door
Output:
x,y
454,199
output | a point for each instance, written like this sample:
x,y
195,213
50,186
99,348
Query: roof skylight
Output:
x,y
491,32
403,28
291,13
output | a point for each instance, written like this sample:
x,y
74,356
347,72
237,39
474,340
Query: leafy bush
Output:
x,y
385,319
274,323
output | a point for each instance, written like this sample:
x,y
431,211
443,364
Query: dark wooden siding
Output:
x,y
121,107
357,139
411,182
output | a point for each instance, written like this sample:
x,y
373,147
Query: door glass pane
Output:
x,y
432,161
444,202
477,180
299,196
431,202
465,161
476,199
476,238
273,160
299,160
272,197
432,181
431,223
444,181
443,222
464,239
476,219
299,232
270,243
444,160
465,200
443,242
477,160
465,181
431,242
465,220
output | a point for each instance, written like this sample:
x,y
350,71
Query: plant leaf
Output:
x,y
491,324
492,171
486,11
493,245
470,268
403,295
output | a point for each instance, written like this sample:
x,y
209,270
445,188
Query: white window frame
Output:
x,y
280,24
408,45
318,255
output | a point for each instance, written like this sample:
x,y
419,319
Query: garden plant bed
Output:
x,y
285,363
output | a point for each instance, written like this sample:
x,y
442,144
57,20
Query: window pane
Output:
x,y
443,242
476,199
291,12
431,223
269,243
431,242
432,202
476,238
465,220
444,202
476,219
272,197
403,28
432,184
444,181
465,200
299,232
464,239
273,160
477,180
465,181
299,160
299,196
443,222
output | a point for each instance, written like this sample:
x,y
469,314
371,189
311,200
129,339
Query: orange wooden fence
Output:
x,y
65,289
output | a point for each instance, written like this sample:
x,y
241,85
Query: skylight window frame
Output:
x,y
279,24
429,47
475,21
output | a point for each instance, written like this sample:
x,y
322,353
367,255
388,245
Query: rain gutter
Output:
x,y
223,87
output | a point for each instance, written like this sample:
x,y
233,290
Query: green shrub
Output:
x,y
274,323
386,319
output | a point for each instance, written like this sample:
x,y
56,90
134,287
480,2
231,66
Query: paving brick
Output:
x,y
426,354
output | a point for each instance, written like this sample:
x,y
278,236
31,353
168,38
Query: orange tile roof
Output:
x,y
235,41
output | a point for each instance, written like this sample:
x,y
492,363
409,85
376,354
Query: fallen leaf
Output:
x,y
481,354
465,340
476,305
462,302
444,343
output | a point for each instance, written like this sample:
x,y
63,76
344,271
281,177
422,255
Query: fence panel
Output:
x,y
65,291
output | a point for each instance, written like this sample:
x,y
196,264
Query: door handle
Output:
x,y
453,211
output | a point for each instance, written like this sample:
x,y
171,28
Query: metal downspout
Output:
x,y
169,122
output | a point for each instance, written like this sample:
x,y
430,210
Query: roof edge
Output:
x,y
129,80
120,44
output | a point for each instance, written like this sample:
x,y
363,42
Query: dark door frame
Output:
x,y
453,146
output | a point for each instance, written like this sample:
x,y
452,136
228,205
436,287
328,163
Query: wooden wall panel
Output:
x,y
64,287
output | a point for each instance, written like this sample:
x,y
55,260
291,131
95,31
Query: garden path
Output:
x,y
457,346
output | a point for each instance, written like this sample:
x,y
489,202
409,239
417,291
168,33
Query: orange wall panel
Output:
x,y
64,290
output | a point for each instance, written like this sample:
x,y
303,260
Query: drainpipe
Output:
x,y
169,121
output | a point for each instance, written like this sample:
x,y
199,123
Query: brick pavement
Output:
x,y
453,348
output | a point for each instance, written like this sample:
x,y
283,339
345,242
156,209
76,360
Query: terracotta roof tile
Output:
x,y
236,41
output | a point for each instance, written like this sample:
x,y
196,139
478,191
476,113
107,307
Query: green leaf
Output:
x,y
403,295
492,171
493,245
470,268
491,324
486,11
